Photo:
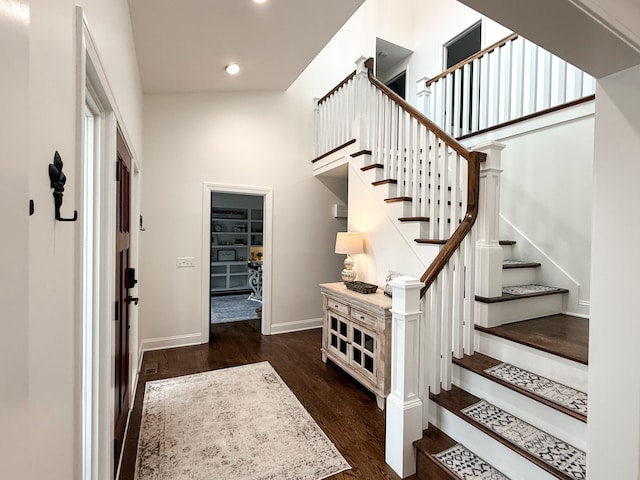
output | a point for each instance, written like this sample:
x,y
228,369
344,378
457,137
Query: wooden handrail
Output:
x,y
470,59
445,137
454,242
337,87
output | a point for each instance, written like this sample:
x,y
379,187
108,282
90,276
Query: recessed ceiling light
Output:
x,y
259,1
232,68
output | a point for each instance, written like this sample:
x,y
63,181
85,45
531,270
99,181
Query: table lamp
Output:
x,y
349,243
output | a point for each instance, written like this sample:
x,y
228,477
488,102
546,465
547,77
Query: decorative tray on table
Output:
x,y
361,287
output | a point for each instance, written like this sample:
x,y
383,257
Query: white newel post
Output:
x,y
404,406
316,128
361,120
488,249
423,92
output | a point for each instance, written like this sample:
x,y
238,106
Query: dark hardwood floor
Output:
x,y
345,411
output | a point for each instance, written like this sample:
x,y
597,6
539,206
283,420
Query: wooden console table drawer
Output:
x,y
356,336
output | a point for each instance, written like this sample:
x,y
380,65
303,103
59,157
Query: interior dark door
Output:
x,y
123,299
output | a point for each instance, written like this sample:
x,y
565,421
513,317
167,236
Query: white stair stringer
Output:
x,y
360,184
510,463
386,246
567,372
543,417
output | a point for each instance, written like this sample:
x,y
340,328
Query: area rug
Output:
x,y
551,450
240,423
467,465
553,391
233,308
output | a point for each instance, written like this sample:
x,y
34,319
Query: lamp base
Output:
x,y
348,274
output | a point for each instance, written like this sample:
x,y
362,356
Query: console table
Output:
x,y
356,335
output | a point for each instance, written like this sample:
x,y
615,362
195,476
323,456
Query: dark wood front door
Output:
x,y
123,299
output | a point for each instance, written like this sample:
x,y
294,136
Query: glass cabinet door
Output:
x,y
363,347
339,335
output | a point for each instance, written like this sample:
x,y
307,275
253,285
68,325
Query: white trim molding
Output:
x,y
267,239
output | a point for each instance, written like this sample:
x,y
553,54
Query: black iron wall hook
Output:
x,y
58,179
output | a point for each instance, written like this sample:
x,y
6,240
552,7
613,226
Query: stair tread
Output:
x,y
563,335
430,241
480,364
522,291
388,181
398,199
413,219
507,242
372,166
482,415
509,264
435,443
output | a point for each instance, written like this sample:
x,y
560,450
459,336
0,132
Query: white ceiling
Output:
x,y
184,45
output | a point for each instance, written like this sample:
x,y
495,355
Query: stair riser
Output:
x,y
373,174
538,414
413,230
503,458
499,313
518,276
399,209
562,370
507,252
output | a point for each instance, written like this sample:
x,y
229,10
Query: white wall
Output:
x,y
546,196
14,252
614,332
256,140
45,383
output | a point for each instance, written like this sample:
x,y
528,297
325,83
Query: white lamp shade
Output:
x,y
349,243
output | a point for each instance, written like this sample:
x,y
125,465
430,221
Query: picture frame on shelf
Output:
x,y
227,255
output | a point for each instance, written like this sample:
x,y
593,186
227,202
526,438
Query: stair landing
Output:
x,y
563,335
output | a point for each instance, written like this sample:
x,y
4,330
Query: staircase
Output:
x,y
500,391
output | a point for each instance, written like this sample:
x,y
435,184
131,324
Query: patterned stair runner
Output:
x,y
555,392
466,465
551,450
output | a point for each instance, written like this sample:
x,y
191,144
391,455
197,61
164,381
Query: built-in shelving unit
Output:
x,y
236,238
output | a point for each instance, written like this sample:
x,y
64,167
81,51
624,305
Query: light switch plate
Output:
x,y
182,262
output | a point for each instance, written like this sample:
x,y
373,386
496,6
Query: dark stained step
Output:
x,y
456,399
413,219
432,442
509,264
563,335
478,363
389,181
506,297
429,241
398,199
372,166
507,242
361,152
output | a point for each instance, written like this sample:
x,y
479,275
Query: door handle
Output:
x,y
130,299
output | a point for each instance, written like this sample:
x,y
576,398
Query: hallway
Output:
x,y
346,412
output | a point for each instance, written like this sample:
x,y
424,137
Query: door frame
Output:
x,y
267,194
95,339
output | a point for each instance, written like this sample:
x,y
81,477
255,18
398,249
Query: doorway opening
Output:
x,y
461,47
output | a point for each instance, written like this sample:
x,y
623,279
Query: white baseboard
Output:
x,y
298,326
171,342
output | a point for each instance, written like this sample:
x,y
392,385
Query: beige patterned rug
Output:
x,y
240,423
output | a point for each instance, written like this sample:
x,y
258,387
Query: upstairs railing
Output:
x,y
511,79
